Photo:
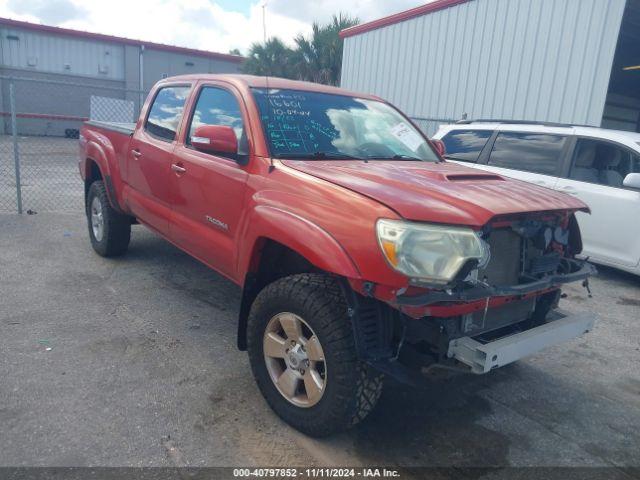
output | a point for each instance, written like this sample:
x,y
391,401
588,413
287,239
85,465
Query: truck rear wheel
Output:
x,y
109,230
303,356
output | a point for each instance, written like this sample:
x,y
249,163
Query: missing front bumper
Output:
x,y
483,357
580,270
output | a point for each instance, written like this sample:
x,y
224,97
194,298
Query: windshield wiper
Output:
x,y
315,156
407,158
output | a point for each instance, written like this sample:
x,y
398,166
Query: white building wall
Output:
x,y
159,64
58,76
42,52
545,60
29,51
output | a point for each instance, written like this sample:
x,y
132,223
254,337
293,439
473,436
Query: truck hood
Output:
x,y
438,192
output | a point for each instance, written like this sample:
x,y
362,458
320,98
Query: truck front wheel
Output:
x,y
109,230
303,356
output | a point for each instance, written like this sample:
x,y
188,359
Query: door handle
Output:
x,y
136,153
177,168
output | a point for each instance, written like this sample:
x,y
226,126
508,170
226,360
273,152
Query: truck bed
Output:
x,y
126,128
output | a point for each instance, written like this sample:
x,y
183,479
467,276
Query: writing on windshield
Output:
x,y
321,125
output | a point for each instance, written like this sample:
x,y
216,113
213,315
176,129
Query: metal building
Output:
x,y
63,76
568,61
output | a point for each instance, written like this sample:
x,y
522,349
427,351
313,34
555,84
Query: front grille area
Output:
x,y
504,265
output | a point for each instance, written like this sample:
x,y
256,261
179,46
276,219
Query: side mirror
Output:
x,y
215,139
632,180
439,146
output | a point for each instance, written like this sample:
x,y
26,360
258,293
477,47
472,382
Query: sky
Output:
x,y
215,25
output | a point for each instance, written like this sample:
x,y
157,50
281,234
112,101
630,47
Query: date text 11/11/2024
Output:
x,y
317,472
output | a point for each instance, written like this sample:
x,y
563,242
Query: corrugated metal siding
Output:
x,y
51,53
158,63
509,59
430,126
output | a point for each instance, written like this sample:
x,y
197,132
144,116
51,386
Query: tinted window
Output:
x,y
166,112
303,124
465,145
531,152
602,162
216,106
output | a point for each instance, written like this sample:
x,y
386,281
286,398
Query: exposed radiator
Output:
x,y
504,266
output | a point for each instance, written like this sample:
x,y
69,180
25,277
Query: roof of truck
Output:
x,y
267,82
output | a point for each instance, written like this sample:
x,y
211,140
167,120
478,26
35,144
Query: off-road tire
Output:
x,y
352,387
116,226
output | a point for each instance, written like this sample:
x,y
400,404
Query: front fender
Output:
x,y
306,238
302,236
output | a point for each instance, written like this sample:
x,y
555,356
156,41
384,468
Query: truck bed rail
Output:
x,y
126,128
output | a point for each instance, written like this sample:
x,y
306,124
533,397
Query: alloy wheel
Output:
x,y
295,359
97,218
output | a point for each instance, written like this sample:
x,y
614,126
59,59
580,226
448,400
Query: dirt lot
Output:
x,y
133,362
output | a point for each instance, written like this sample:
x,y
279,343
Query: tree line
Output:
x,y
314,58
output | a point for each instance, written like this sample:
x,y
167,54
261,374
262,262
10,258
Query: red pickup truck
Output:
x,y
359,250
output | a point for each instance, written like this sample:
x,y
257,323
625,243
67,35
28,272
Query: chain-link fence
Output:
x,y
41,121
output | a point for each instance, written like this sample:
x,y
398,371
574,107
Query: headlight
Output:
x,y
431,253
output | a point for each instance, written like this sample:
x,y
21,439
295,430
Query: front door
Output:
x,y
611,234
149,159
208,189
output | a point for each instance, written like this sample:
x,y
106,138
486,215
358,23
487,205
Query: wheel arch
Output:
x,y
95,170
92,173
100,159
285,244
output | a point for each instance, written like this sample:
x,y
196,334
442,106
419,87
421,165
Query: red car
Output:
x,y
359,250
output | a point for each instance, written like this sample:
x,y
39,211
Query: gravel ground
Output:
x,y
132,362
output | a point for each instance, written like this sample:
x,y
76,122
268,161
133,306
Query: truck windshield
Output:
x,y
308,125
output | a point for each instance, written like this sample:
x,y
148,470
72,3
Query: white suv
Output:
x,y
599,166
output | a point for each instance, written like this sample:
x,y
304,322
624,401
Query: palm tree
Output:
x,y
319,57
316,59
271,58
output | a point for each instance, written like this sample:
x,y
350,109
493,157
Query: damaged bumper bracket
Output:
x,y
482,358
581,271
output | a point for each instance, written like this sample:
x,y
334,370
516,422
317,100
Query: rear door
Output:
x,y
149,158
208,196
611,234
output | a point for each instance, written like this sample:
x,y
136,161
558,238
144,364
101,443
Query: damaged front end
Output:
x,y
526,256
495,311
